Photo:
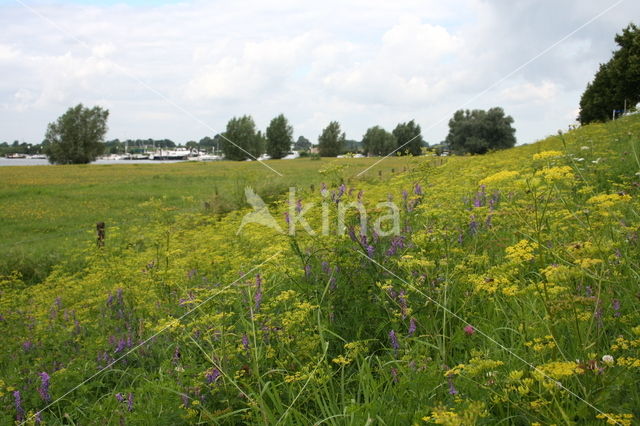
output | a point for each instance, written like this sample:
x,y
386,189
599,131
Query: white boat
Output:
x,y
208,157
291,156
175,154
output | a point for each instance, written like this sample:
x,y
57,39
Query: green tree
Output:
x,y
77,136
279,137
479,131
616,83
377,141
409,138
331,140
241,141
302,144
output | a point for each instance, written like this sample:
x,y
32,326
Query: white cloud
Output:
x,y
362,63
530,92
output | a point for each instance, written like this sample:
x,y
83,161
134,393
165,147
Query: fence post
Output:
x,y
101,233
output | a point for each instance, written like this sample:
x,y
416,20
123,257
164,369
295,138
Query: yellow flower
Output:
x,y
547,154
498,177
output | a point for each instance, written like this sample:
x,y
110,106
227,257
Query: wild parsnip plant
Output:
x,y
510,295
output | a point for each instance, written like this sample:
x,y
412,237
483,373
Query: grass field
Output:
x,y
508,295
47,210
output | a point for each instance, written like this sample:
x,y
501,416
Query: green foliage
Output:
x,y
479,131
302,144
279,137
616,83
409,138
377,141
77,136
331,140
241,141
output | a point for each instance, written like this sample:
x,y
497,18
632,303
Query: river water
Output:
x,y
32,162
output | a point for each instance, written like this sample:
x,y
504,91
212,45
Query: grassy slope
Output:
x,y
542,262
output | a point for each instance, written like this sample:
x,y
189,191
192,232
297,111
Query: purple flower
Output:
x,y
119,397
394,341
452,388
212,375
130,402
298,206
37,418
370,251
185,399
43,390
18,403
473,225
286,217
417,189
325,267
257,298
27,345
412,326
245,342
405,195
307,269
616,307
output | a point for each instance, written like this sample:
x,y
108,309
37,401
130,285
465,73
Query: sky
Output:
x,y
181,69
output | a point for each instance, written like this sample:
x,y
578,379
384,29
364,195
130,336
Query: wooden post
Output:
x,y
101,233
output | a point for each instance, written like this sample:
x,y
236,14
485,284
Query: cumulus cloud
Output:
x,y
363,63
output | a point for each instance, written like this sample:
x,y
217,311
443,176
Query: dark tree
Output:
x,y
479,131
409,138
302,144
77,136
377,141
616,83
279,137
331,140
241,141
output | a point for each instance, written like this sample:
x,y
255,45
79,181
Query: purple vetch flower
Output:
x,y
616,307
307,269
286,217
412,326
43,390
110,300
325,267
473,225
27,345
394,341
341,190
37,418
18,402
212,375
257,298
323,189
405,195
119,397
417,189
402,300
130,402
298,206
245,343
370,251
452,388
394,375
